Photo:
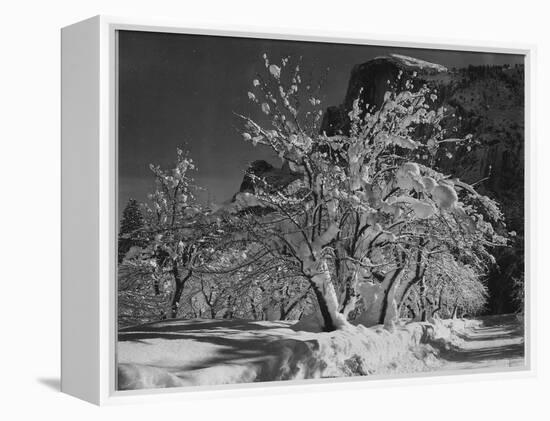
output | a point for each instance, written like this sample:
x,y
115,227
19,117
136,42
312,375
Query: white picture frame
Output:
x,y
89,197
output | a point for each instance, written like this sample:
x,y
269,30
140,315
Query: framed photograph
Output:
x,y
244,209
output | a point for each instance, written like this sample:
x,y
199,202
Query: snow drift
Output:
x,y
212,352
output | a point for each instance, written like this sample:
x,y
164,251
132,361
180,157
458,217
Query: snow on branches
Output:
x,y
361,227
370,205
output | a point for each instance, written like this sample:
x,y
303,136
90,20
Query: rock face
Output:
x,y
275,177
485,101
370,81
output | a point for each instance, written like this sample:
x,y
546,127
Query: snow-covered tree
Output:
x,y
446,288
176,225
140,299
368,208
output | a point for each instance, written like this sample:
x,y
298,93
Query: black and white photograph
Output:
x,y
297,210
276,211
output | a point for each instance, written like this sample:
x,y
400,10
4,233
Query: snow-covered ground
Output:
x,y
497,342
208,352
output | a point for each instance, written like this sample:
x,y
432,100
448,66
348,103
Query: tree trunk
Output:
x,y
411,312
316,270
455,312
328,324
253,309
180,284
324,291
156,285
228,311
349,273
176,298
376,298
391,309
405,287
439,304
209,303
426,313
285,311
349,303
423,302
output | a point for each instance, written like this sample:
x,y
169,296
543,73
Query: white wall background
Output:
x,y
29,206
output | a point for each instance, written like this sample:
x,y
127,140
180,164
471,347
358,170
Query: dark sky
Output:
x,y
181,90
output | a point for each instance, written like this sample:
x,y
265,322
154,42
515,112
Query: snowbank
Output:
x,y
208,352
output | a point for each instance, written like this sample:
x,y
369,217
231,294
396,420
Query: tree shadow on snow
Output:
x,y
493,353
482,334
263,351
178,325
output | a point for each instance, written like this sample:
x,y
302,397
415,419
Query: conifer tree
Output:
x,y
131,226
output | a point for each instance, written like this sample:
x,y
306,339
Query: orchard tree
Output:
x,y
367,207
192,244
447,288
176,225
138,302
242,279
